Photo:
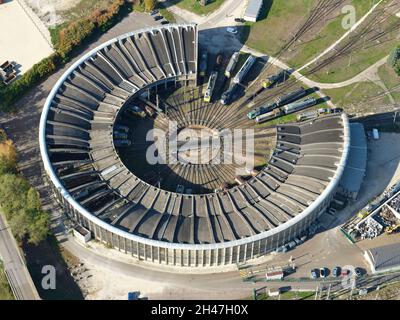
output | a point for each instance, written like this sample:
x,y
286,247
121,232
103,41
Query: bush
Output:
x,y
8,157
73,35
150,5
394,60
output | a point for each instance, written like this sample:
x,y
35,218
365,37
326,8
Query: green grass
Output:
x,y
346,67
83,8
391,80
356,94
5,291
55,33
288,295
269,34
168,15
139,7
324,38
195,7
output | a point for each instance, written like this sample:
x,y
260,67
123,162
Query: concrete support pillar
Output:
x,y
182,257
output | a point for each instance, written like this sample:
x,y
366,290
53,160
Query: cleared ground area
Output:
x,y
21,40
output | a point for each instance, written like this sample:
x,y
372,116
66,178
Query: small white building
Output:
x,y
253,10
274,292
274,275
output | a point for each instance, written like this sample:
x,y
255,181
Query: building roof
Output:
x,y
385,257
76,140
354,172
253,8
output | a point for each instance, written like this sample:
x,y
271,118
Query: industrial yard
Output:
x,y
132,140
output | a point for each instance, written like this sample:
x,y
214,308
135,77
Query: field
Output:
x,y
360,95
356,96
272,34
391,81
272,31
331,31
370,42
195,7
83,8
5,291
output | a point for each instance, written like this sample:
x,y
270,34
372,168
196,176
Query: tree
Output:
x,y
150,5
38,227
21,205
394,59
8,157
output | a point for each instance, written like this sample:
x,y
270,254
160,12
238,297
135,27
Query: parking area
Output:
x,y
23,40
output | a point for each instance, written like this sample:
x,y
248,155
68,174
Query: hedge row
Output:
x,y
70,37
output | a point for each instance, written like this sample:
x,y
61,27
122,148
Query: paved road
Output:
x,y
14,266
223,16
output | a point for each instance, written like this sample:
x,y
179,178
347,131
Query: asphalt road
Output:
x,y
16,271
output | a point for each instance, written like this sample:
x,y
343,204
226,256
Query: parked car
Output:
x,y
363,291
232,30
336,272
156,18
240,20
298,241
345,272
314,274
324,111
292,245
282,249
358,272
323,272
337,110
153,12
164,22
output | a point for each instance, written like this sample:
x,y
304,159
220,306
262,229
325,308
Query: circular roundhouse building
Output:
x,y
98,190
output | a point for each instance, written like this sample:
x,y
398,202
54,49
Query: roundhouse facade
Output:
x,y
101,194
